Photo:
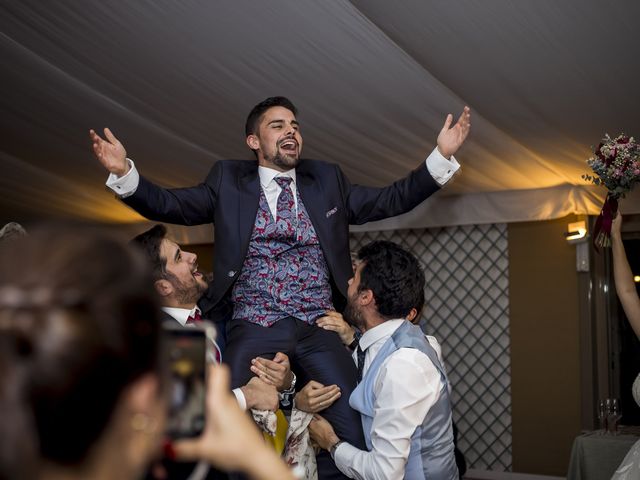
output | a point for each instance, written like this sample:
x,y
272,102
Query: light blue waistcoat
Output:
x,y
431,455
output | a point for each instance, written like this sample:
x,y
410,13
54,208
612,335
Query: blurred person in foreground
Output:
x,y
402,393
83,382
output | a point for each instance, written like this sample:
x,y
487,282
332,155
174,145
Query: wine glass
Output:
x,y
614,417
602,418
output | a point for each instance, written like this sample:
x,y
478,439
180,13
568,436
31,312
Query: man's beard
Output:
x,y
187,294
285,161
353,315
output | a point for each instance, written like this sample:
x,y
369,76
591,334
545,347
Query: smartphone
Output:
x,y
187,350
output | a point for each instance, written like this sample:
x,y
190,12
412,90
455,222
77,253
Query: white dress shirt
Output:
x,y
407,386
271,188
181,315
439,167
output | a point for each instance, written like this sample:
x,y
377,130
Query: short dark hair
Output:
x,y
394,276
419,307
149,242
253,120
79,323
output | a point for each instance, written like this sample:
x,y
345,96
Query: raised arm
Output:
x,y
183,206
366,204
623,277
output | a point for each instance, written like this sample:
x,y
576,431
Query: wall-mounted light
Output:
x,y
577,234
636,279
576,231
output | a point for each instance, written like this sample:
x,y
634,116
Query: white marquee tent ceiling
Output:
x,y
373,80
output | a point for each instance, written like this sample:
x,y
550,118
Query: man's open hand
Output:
x,y
451,138
110,152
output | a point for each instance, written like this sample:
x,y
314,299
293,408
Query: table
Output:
x,y
596,456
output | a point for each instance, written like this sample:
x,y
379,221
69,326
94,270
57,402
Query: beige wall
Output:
x,y
545,369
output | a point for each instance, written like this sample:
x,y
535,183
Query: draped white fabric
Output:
x,y
373,80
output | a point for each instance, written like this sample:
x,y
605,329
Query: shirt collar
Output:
x,y
180,314
268,174
380,332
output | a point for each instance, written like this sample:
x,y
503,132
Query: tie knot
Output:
x,y
194,318
284,182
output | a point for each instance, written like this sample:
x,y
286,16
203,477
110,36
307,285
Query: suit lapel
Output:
x,y
311,193
248,201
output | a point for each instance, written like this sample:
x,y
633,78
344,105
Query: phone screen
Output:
x,y
187,354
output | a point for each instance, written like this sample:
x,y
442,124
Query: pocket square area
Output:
x,y
332,211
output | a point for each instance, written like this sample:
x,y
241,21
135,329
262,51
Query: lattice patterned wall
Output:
x,y
467,310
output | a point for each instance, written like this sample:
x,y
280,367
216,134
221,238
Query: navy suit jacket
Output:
x,y
229,198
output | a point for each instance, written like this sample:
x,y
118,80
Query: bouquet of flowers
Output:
x,y
616,165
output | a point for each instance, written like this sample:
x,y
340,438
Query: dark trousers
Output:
x,y
315,354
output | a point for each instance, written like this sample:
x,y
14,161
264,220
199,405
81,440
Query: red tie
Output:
x,y
195,318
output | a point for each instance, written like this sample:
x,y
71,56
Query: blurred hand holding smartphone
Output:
x,y
187,351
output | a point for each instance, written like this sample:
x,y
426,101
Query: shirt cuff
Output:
x,y
242,402
127,184
344,455
440,168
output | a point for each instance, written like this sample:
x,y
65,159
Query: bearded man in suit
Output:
x,y
281,242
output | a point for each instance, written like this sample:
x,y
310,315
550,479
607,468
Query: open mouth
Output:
x,y
196,273
289,146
